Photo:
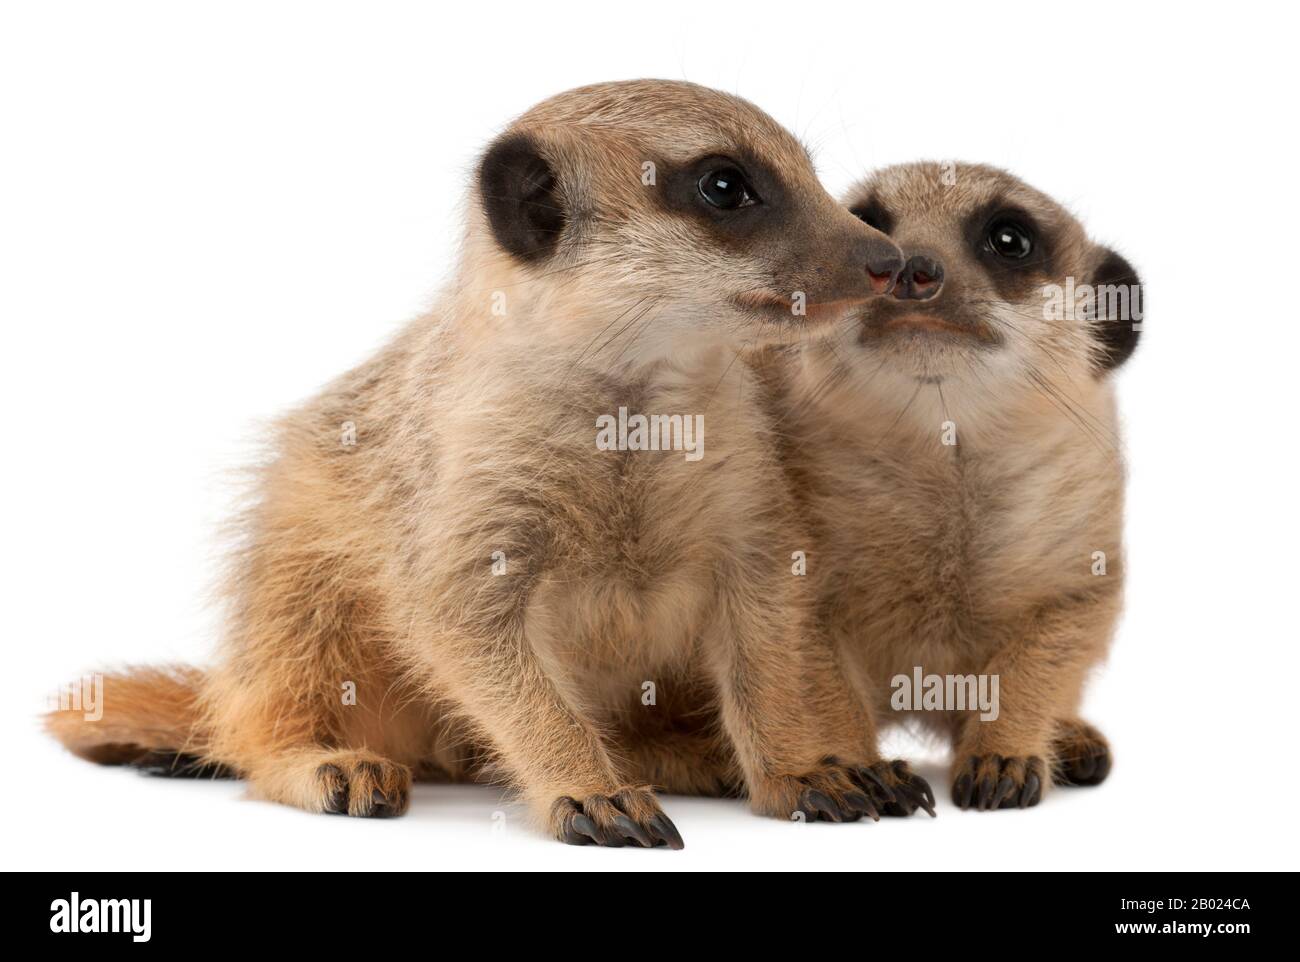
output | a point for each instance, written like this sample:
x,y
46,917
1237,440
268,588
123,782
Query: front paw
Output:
x,y
630,816
839,792
986,782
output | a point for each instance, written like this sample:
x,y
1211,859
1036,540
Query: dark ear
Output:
x,y
1119,310
521,198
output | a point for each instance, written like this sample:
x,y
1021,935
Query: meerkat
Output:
x,y
444,574
955,447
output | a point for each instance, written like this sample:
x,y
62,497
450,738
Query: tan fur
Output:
x,y
974,558
372,564
145,709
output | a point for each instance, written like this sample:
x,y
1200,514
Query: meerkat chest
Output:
x,y
914,553
674,486
940,559
903,543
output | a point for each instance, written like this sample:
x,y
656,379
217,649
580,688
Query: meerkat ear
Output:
x,y
521,198
1119,310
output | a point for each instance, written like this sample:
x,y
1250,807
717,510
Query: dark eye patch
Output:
x,y
1014,279
683,190
874,214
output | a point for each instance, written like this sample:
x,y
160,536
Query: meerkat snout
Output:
x,y
921,279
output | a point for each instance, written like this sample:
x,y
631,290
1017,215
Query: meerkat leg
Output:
x,y
334,774
307,705
1081,753
289,755
837,708
294,747
547,745
806,746
1007,762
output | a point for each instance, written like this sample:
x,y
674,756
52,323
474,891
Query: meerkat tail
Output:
x,y
145,717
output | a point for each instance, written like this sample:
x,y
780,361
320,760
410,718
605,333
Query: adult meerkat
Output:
x,y
439,535
956,449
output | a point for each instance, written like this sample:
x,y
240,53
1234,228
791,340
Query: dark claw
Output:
x,y
337,804
1005,788
927,790
665,831
632,830
582,823
923,795
379,807
816,803
849,811
985,795
571,836
919,797
902,808
862,805
962,789
886,792
1029,794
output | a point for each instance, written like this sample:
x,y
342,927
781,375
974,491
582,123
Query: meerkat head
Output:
x,y
1002,289
648,214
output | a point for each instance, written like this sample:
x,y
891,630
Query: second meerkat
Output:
x,y
956,449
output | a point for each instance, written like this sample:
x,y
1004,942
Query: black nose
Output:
x,y
921,279
884,261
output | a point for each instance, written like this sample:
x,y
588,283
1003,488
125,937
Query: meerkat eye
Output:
x,y
727,189
1009,239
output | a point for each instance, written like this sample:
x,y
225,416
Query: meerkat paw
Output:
x,y
363,785
1082,754
839,792
986,782
910,790
631,816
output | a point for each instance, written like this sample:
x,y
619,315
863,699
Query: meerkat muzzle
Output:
x,y
921,279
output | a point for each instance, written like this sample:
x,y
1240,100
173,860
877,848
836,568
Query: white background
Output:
x,y
209,210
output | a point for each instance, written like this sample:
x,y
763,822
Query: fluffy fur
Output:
x,y
376,565
978,556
